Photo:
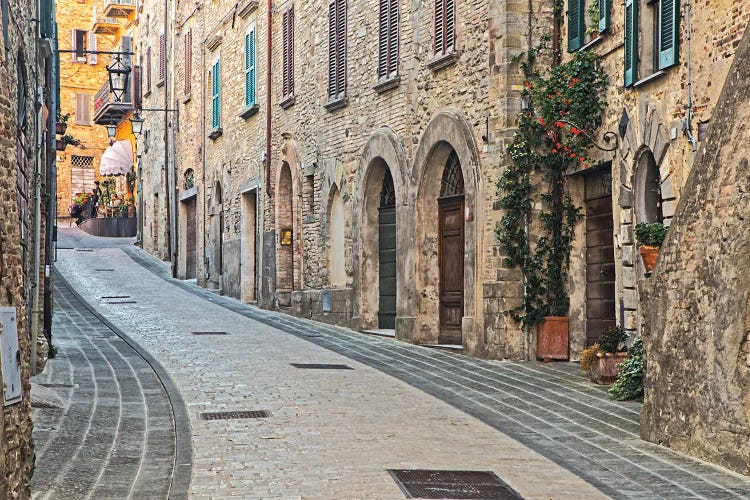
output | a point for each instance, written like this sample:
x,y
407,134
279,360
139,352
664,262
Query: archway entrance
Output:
x,y
451,251
387,254
217,237
248,252
285,235
191,240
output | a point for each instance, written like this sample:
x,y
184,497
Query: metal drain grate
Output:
x,y
84,249
107,270
321,366
229,415
60,386
116,297
122,302
453,484
210,333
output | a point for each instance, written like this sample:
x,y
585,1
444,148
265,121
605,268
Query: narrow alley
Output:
x,y
335,409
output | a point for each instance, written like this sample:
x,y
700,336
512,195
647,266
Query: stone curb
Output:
x,y
179,486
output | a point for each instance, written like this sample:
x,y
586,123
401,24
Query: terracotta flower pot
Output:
x,y
60,146
61,127
649,255
552,339
605,371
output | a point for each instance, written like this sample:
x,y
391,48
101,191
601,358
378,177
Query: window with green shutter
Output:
x,y
576,24
631,41
604,15
668,38
250,83
216,95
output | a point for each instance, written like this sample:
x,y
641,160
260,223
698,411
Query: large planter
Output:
x,y
605,370
60,128
649,255
552,339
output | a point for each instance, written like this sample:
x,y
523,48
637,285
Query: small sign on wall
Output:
x,y
10,358
286,237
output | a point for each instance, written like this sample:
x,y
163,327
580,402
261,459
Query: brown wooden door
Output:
x,y
190,239
451,255
600,268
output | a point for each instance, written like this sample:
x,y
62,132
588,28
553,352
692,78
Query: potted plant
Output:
x,y
602,360
63,142
534,194
61,125
650,236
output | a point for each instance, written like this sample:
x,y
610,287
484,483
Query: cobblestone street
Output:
x,y
329,433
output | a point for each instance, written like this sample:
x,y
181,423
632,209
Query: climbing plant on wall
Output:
x,y
565,105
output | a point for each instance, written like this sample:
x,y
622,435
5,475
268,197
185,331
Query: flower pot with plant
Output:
x,y
61,125
538,226
601,360
63,142
650,237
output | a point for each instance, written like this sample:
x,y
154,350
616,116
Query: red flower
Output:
x,y
558,145
554,150
566,148
550,96
570,85
527,85
581,159
559,92
541,122
572,155
575,131
576,80
560,124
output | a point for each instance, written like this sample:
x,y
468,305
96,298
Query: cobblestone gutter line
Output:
x,y
552,410
180,480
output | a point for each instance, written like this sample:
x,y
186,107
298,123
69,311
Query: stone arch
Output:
x,y
217,235
382,152
447,134
336,226
647,197
287,207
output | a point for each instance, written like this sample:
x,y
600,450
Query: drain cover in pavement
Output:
x,y
84,249
122,302
452,484
210,333
116,297
228,415
321,366
107,270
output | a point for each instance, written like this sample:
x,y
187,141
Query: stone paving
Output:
x,y
333,433
114,437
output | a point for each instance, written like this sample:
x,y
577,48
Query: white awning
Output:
x,y
117,159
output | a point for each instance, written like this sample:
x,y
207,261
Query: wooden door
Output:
x,y
190,238
451,257
600,268
387,267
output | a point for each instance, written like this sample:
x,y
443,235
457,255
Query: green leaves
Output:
x,y
629,383
650,234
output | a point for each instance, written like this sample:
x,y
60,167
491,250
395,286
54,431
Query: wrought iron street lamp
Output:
x,y
136,124
118,78
111,129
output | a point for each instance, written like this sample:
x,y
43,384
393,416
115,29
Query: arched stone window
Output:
x,y
336,226
189,179
452,183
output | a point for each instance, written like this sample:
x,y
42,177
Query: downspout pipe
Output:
x,y
51,228
687,126
167,176
269,27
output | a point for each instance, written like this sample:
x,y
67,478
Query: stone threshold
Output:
x,y
381,332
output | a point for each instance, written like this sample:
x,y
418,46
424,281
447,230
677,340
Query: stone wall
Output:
x,y
696,304
17,157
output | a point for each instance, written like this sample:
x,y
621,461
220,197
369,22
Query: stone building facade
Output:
x,y
82,77
27,96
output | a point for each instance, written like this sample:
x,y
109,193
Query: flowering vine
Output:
x,y
565,104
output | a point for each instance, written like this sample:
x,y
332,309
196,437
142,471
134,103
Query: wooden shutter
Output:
x,y
288,53
576,24
332,48
388,38
631,41
450,25
162,56
341,47
393,37
216,96
604,15
92,56
439,25
137,88
250,68
83,109
188,61
669,23
148,69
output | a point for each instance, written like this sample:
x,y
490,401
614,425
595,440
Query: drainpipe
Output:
x,y
686,124
268,97
35,288
203,148
167,176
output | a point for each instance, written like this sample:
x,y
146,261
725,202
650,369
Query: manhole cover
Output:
x,y
228,415
453,484
210,333
321,366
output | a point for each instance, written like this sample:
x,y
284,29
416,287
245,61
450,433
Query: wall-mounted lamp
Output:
x,y
111,129
136,124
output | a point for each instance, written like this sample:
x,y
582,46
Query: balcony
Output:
x,y
107,111
106,26
124,9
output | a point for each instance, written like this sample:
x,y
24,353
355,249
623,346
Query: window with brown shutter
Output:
x,y
188,61
445,26
288,53
137,88
336,49
148,70
162,56
388,39
83,109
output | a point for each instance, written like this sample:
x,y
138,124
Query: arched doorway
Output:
x,y
336,227
217,237
387,254
451,251
285,237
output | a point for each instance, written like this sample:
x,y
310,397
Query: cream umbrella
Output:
x,y
117,159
